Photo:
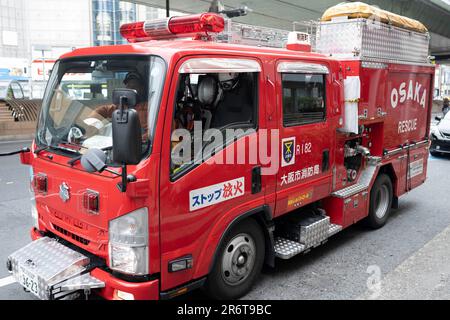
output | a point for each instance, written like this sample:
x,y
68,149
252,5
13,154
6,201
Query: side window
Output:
x,y
216,103
303,99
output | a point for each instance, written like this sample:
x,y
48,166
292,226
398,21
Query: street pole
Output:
x,y
43,64
167,8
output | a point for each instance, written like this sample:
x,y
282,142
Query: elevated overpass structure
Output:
x,y
435,14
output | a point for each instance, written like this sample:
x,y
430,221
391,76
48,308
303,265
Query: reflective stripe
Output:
x,y
219,65
300,67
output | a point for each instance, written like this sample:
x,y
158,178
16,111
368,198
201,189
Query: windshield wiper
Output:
x,y
72,162
59,148
39,150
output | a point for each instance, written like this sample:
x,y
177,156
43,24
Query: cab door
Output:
x,y
306,136
199,200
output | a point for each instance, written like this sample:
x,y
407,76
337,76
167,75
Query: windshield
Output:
x,y
77,106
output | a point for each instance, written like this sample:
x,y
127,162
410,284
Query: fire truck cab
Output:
x,y
141,187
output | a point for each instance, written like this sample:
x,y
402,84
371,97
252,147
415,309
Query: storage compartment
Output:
x,y
349,210
308,228
369,40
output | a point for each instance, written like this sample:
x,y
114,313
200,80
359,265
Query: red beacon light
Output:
x,y
198,25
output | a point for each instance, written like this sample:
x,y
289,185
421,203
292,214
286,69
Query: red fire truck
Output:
x,y
116,215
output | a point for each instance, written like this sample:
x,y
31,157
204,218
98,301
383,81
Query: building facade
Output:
x,y
14,37
35,33
107,17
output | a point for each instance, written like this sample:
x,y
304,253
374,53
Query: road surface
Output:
x,y
407,259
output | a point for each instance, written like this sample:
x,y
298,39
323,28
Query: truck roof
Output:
x,y
169,48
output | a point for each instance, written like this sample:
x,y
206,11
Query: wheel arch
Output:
x,y
263,216
388,169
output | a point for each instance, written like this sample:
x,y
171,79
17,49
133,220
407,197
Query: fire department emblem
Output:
x,y
64,192
288,152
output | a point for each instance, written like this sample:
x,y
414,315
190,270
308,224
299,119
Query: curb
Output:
x,y
16,138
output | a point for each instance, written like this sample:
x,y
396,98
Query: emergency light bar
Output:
x,y
176,27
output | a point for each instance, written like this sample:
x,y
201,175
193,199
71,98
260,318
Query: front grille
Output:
x,y
71,235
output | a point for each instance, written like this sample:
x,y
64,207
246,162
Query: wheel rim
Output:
x,y
238,259
382,201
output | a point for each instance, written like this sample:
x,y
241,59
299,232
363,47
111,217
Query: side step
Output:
x,y
286,249
364,181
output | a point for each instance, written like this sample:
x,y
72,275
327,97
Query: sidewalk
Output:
x,y
425,275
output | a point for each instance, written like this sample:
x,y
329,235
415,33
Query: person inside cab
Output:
x,y
216,101
133,81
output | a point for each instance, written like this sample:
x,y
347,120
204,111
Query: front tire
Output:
x,y
239,262
380,202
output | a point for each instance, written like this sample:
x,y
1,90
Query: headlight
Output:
x,y
128,243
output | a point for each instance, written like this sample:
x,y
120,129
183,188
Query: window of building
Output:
x,y
303,99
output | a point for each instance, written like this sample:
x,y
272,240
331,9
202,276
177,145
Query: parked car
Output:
x,y
440,136
11,89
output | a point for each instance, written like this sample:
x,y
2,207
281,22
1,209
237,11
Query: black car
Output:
x,y
440,136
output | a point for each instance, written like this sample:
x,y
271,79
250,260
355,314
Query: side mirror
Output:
x,y
127,134
438,118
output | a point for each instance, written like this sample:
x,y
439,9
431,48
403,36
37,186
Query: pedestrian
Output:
x,y
446,106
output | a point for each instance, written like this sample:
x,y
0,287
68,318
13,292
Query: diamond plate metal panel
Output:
x,y
370,40
239,33
314,234
286,249
334,229
48,263
363,184
84,282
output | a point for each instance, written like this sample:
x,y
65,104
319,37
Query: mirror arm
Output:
x,y
123,185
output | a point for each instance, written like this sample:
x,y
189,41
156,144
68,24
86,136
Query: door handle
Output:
x,y
256,180
325,160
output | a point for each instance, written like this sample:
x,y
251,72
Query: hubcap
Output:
x,y
238,259
382,201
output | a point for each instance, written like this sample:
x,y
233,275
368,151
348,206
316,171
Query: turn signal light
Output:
x,y
91,201
40,183
176,27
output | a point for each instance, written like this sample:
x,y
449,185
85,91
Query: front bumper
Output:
x,y
442,146
52,271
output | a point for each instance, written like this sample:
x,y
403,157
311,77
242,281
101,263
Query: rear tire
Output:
x,y
380,202
238,263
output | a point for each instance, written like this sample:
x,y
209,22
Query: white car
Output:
x,y
440,136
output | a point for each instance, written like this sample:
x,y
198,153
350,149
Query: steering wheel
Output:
x,y
75,134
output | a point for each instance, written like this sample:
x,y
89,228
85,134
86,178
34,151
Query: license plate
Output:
x,y
29,281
